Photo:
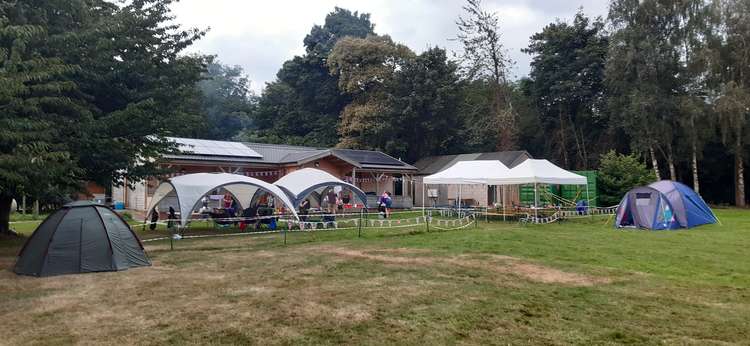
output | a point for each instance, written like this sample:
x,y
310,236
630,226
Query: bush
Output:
x,y
619,173
127,216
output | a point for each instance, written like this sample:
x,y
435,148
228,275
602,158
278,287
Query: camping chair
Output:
x,y
271,222
219,217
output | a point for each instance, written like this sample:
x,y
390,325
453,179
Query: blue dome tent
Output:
x,y
645,207
689,208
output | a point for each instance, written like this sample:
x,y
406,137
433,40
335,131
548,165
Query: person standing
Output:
x,y
331,199
171,218
304,210
227,201
154,218
388,204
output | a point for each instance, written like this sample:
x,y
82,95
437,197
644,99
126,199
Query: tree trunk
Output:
x,y
585,153
654,163
739,192
579,150
563,147
5,203
670,163
696,184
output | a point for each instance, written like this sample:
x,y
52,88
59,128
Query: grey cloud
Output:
x,y
419,24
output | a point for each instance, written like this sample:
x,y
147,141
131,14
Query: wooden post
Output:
x,y
359,224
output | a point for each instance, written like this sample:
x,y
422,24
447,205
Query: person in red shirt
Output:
x,y
227,202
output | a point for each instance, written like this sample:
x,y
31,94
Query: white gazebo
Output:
x,y
302,183
491,172
190,189
540,171
468,173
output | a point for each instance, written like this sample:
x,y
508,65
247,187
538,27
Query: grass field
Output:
x,y
577,282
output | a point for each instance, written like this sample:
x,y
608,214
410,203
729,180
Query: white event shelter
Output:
x,y
190,189
468,173
531,171
302,183
540,171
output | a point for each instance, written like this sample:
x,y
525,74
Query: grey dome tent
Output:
x,y
645,207
81,237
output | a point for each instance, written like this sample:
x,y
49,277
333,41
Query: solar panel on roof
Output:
x,y
372,157
215,148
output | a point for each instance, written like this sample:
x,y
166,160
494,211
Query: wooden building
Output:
x,y
371,171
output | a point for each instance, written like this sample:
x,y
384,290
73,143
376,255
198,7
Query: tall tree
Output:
x,y
303,104
226,100
567,81
39,109
102,83
730,47
643,75
484,58
733,108
365,68
423,100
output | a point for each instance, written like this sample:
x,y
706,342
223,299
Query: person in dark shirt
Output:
x,y
304,209
171,217
331,199
154,218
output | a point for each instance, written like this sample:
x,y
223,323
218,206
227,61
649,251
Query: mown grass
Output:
x,y
577,282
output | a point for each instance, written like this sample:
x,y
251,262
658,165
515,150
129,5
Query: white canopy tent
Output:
x,y
468,173
190,189
490,172
536,171
302,183
540,171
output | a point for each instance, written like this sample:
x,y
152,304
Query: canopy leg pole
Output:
x,y
487,209
424,186
502,193
536,202
588,201
459,200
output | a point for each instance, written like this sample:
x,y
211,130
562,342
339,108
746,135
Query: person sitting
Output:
x,y
581,207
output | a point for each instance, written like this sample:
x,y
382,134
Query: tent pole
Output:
x,y
424,186
536,202
502,193
459,200
588,201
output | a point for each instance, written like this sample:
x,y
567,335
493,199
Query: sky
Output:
x,y
260,35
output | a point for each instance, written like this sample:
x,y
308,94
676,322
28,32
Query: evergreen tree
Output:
x,y
303,104
567,79
227,101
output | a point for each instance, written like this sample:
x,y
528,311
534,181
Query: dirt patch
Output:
x,y
550,275
377,257
494,263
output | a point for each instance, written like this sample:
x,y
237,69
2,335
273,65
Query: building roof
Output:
x,y
434,164
279,154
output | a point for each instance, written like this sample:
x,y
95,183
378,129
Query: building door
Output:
x,y
398,185
491,195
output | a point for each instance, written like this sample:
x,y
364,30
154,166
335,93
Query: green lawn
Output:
x,y
576,282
